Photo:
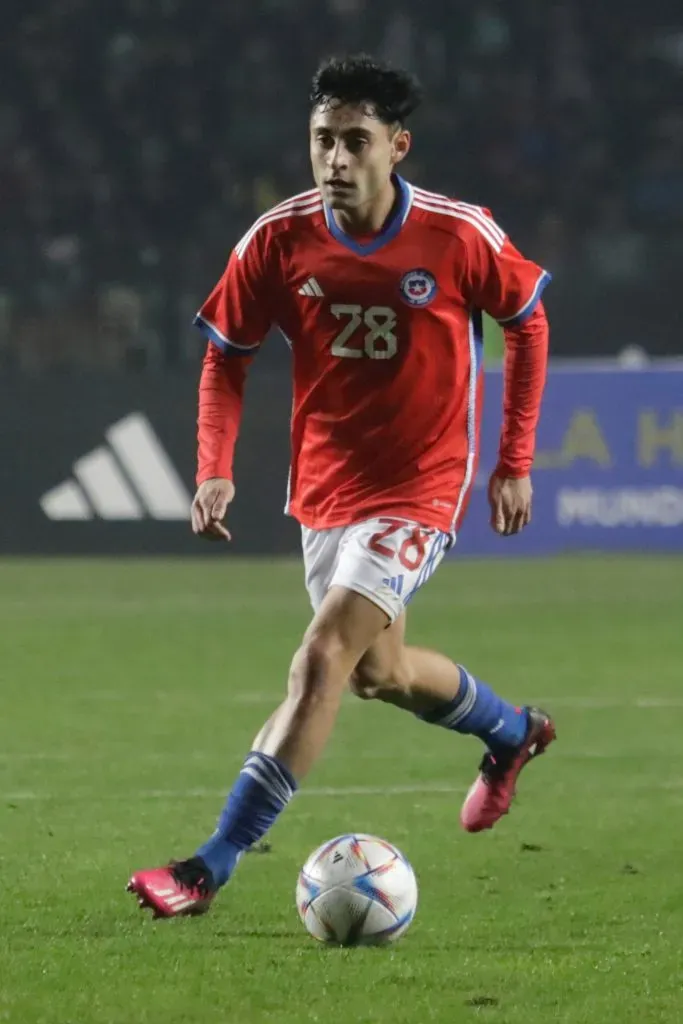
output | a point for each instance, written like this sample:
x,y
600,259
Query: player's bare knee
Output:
x,y
312,675
362,687
375,679
368,678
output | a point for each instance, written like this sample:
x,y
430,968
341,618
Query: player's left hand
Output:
x,y
510,501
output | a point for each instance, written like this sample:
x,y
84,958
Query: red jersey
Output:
x,y
386,339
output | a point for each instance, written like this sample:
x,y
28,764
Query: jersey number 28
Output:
x,y
378,340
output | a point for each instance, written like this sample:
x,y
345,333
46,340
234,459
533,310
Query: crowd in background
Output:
x,y
139,139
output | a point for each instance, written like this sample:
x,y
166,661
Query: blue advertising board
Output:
x,y
608,473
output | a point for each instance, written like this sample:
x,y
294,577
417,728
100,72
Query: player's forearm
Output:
x,y
525,365
221,388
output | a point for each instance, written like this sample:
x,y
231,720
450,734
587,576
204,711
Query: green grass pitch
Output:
x,y
130,693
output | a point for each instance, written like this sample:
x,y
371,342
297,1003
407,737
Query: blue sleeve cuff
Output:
x,y
527,309
229,348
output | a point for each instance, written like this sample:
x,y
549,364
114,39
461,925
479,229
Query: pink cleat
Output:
x,y
181,888
491,794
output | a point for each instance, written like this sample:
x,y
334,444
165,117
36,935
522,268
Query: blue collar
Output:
x,y
391,228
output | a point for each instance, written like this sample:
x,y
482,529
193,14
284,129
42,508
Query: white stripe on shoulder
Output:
x,y
300,197
291,208
480,212
476,212
471,207
482,226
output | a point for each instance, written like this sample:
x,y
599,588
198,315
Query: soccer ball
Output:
x,y
356,890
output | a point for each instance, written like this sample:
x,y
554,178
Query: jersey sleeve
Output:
x,y
501,281
524,372
237,314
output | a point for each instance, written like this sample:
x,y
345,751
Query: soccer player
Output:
x,y
379,288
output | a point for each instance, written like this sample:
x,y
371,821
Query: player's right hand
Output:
x,y
209,508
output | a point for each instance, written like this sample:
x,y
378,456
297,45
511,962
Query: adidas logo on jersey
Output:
x,y
312,289
130,478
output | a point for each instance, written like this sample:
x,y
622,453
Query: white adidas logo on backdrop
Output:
x,y
129,478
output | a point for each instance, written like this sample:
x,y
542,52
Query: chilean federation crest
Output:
x,y
418,287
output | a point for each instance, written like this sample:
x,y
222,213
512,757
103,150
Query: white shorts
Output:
x,y
385,559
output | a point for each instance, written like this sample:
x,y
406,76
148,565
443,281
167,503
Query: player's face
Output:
x,y
353,154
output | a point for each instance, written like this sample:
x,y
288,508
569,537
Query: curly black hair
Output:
x,y
359,80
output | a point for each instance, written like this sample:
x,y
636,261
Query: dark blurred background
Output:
x,y
138,139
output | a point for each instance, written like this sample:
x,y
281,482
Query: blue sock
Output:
x,y
478,711
262,789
